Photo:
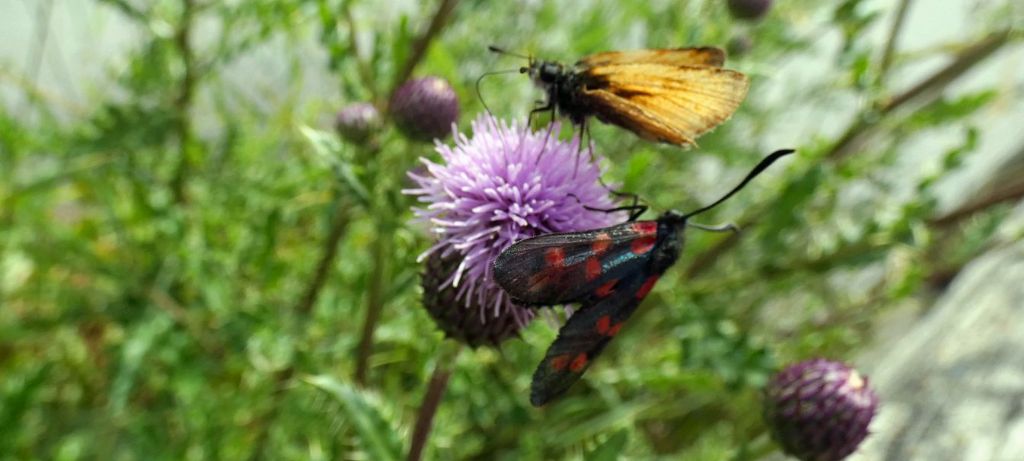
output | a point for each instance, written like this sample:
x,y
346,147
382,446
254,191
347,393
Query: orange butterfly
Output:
x,y
667,95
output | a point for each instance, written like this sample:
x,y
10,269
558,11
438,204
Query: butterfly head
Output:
x,y
545,73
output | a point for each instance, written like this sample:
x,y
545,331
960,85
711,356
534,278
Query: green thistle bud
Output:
x,y
357,122
749,9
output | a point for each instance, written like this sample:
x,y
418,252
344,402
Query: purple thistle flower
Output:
x,y
504,184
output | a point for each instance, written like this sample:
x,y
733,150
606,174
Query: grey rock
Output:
x,y
952,387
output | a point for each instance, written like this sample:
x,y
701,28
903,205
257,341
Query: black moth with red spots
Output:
x,y
607,271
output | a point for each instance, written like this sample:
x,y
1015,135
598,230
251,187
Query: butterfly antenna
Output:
x,y
480,94
753,173
495,49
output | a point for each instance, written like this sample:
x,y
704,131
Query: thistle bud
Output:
x,y
819,410
425,108
469,324
751,10
356,122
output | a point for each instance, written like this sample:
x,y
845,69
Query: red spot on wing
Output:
x,y
603,324
555,257
614,330
606,289
643,244
578,363
601,243
593,268
645,227
559,362
646,287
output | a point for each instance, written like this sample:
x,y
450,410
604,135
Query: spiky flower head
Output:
x,y
356,122
425,108
819,410
749,9
504,184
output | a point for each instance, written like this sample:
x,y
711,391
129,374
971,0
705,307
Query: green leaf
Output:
x,y
376,435
611,449
329,151
14,405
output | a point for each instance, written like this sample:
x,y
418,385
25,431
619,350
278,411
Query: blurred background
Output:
x,y
193,265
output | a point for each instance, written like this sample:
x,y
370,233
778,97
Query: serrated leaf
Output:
x,y
376,435
329,151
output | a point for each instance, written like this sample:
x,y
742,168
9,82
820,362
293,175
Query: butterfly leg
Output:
x,y
550,107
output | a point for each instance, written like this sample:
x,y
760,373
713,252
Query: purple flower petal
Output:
x,y
503,184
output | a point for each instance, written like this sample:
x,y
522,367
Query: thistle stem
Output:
x,y
432,399
183,103
374,303
422,43
890,42
329,251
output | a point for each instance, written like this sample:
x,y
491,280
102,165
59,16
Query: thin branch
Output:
x,y
865,124
1007,185
890,42
328,253
183,103
374,305
420,46
965,60
362,66
35,57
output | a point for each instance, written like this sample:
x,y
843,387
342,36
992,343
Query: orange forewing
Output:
x,y
662,102
703,56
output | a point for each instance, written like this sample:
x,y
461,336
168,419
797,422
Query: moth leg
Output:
x,y
635,209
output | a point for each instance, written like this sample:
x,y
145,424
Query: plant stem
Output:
x,y
419,47
374,303
362,66
183,103
890,43
328,252
432,399
1005,186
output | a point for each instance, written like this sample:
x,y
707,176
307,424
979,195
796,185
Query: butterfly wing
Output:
x,y
701,56
586,334
569,267
667,103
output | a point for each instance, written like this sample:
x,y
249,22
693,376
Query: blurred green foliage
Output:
x,y
155,261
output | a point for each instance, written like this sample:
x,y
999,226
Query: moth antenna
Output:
x,y
727,227
753,173
480,95
495,49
